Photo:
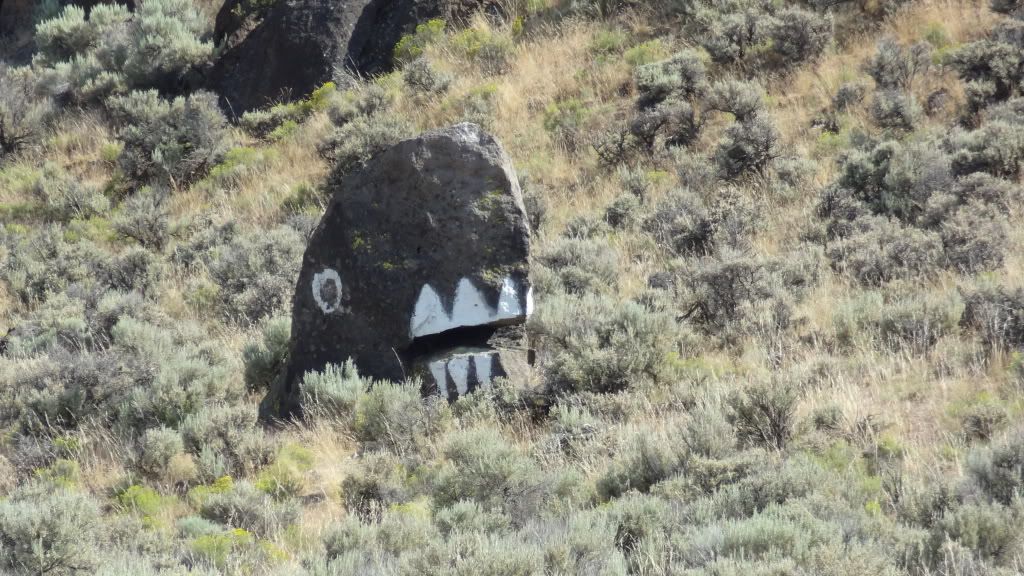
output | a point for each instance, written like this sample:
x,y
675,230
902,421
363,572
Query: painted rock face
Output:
x,y
419,266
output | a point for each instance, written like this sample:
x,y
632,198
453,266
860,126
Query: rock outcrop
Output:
x,y
280,53
420,266
286,49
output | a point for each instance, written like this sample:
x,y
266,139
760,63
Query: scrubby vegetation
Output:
x,y
780,308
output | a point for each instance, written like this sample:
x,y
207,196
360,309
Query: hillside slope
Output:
x,y
779,281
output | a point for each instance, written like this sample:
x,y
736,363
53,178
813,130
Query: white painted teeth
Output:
x,y
457,368
469,309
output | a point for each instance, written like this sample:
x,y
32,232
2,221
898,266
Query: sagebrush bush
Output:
x,y
580,265
333,391
67,198
997,314
763,414
975,238
49,531
264,359
894,66
395,416
896,110
250,509
358,140
683,76
741,99
168,142
998,470
748,147
623,345
501,475
682,223
996,148
992,68
116,50
422,76
144,217
799,35
22,113
879,250
256,272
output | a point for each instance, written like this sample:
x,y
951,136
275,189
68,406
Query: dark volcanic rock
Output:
x,y
292,50
420,265
291,47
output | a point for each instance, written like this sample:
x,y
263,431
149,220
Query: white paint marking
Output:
x,y
440,376
508,302
458,367
429,316
483,363
320,280
470,307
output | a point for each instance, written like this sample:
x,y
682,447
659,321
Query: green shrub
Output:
x,y
741,99
748,147
733,37
265,359
358,140
880,250
621,346
623,212
159,445
45,531
66,198
647,461
997,314
135,269
996,148
491,51
565,120
728,291
144,218
424,78
798,35
469,516
169,142
975,238
763,414
481,466
992,68
412,46
998,471
116,50
333,392
22,114
683,76
396,416
895,110
848,94
894,66
984,528
247,508
256,272
581,265
682,223
379,483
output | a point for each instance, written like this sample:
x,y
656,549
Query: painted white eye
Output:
x,y
327,290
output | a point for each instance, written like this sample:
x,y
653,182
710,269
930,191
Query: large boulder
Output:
x,y
420,266
286,49
282,52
